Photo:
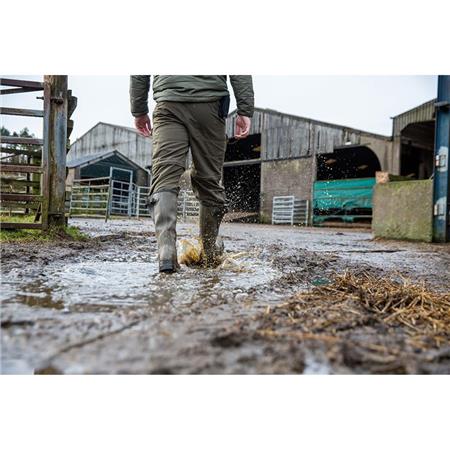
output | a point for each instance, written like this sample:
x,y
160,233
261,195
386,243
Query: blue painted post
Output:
x,y
441,188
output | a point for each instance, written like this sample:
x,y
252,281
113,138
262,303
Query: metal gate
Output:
x,y
290,210
90,197
188,205
121,193
140,205
105,197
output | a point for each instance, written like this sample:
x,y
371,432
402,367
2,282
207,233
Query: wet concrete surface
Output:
x,y
101,307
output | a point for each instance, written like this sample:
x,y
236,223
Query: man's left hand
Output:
x,y
242,127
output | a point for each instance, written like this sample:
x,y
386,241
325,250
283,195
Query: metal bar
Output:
x,y
245,162
89,209
17,225
21,112
20,140
109,205
441,187
86,193
21,168
18,197
21,83
82,180
138,202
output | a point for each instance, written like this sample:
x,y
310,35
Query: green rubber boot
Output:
x,y
165,218
212,247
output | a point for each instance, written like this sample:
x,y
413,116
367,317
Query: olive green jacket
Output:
x,y
190,88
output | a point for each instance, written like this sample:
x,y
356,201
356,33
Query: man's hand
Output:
x,y
143,125
242,127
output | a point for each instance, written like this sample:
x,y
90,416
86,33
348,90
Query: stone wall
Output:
x,y
289,177
403,210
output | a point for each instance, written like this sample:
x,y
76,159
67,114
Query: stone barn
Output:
x,y
286,154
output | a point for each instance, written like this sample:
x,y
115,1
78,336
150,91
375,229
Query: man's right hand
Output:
x,y
143,125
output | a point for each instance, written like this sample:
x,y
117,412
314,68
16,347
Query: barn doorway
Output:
x,y
344,186
417,149
352,161
242,178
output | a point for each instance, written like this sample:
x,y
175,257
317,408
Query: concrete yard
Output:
x,y
99,306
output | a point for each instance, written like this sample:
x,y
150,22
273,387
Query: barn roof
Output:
x,y
123,127
272,112
88,160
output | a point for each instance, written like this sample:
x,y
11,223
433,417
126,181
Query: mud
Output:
x,y
101,307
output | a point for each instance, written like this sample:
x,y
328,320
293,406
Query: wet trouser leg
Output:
x,y
178,125
170,146
208,147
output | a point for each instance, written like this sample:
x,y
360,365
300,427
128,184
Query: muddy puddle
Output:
x,y
101,306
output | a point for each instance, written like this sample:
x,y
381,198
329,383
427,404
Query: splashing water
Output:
x,y
190,254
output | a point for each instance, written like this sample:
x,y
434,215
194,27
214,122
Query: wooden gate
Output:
x,y
35,179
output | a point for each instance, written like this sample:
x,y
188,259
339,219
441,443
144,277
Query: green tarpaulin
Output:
x,y
343,196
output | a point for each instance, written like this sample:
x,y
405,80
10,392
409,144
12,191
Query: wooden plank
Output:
x,y
20,140
21,112
17,205
19,225
18,90
21,83
20,183
19,197
16,151
20,168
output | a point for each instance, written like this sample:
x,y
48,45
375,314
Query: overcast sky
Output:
x,y
364,102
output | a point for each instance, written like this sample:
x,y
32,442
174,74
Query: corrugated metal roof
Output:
x,y
93,158
266,118
421,113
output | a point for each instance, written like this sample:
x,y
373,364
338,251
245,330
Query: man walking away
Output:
x,y
190,112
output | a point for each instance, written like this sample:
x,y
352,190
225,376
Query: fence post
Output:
x,y
441,182
138,201
54,151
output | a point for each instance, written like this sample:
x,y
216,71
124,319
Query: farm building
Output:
x,y
291,155
108,137
106,164
413,140
287,155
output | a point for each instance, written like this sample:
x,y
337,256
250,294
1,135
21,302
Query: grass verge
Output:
x,y
23,235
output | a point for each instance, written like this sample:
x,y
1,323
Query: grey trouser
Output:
x,y
178,126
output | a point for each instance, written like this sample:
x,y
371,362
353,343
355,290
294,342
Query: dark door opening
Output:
x,y
243,187
242,178
417,149
352,162
245,149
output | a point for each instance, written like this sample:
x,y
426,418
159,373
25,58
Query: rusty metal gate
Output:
x,y
33,170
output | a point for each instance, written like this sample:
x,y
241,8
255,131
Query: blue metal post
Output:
x,y
441,189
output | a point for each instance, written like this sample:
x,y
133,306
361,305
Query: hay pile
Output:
x,y
359,299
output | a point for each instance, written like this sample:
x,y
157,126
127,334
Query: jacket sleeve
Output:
x,y
243,91
139,87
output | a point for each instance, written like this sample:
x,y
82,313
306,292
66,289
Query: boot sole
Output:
x,y
167,267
